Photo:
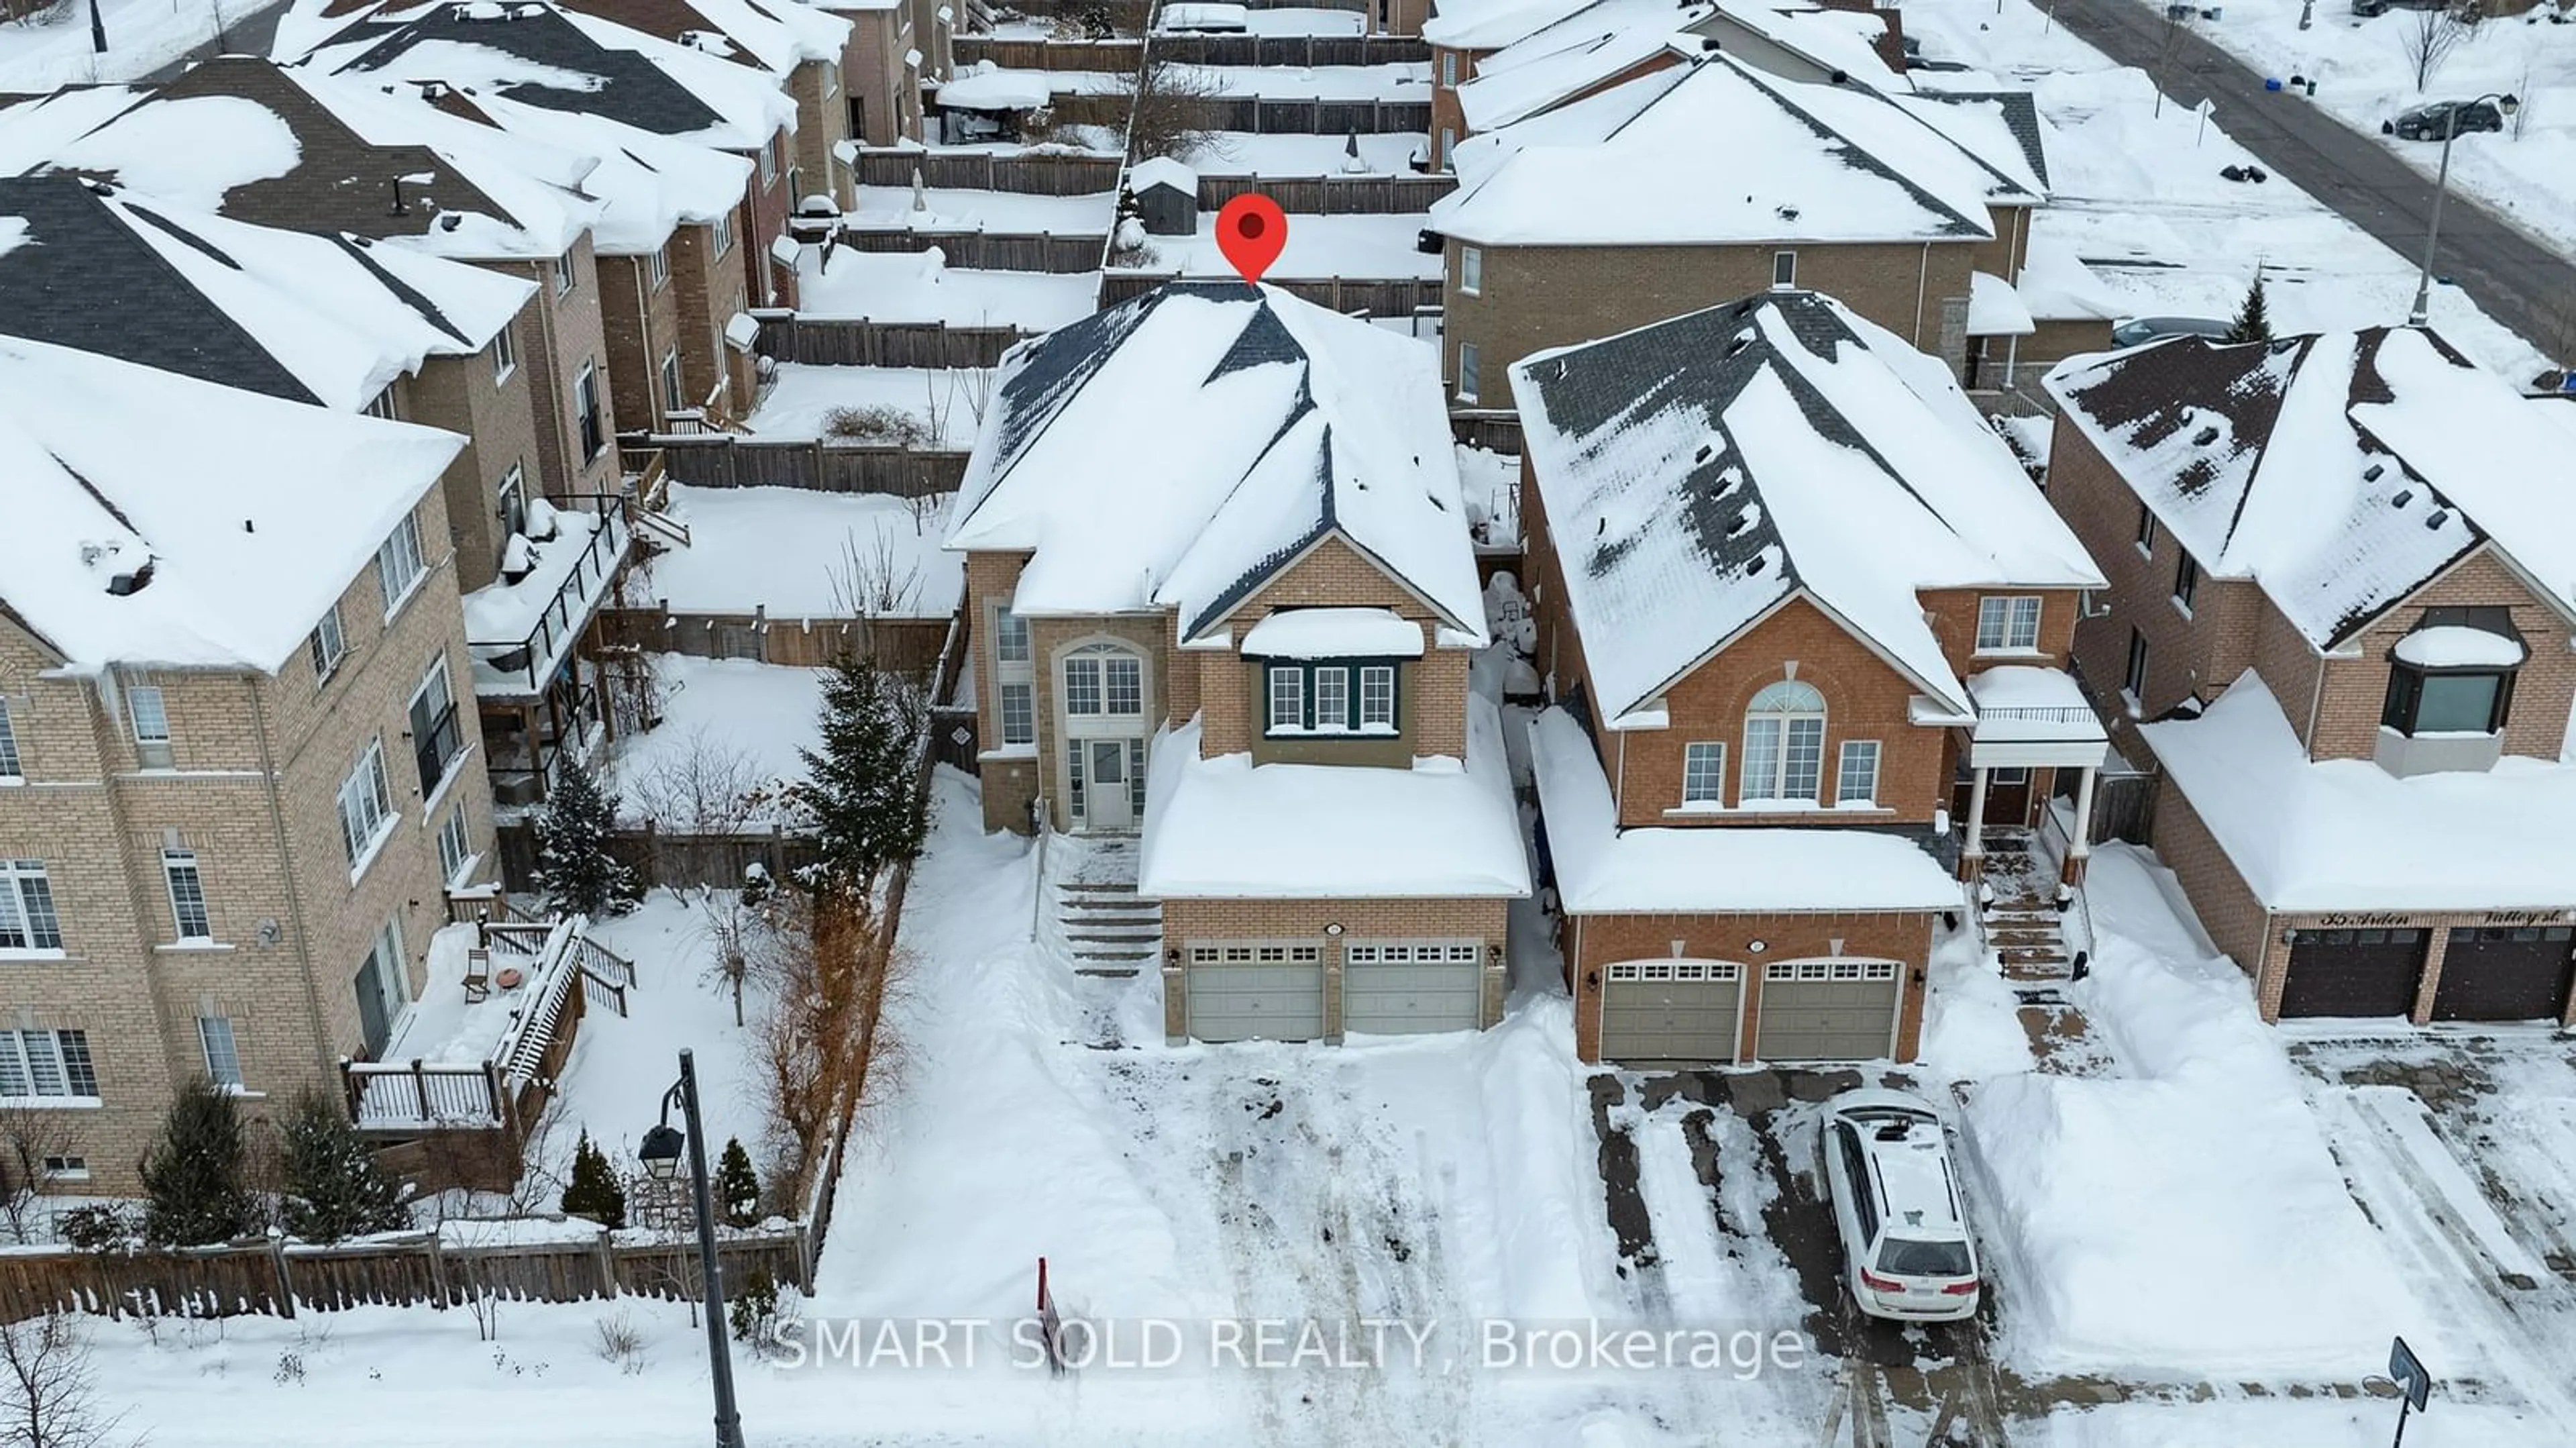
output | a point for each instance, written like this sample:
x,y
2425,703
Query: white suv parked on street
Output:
x,y
1906,1249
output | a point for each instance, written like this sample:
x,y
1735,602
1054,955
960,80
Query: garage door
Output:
x,y
1401,987
1827,1010
2354,973
1670,1012
1243,989
2505,973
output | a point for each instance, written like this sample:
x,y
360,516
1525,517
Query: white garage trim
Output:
x,y
1403,987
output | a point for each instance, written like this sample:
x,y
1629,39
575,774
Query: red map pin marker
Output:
x,y
1250,231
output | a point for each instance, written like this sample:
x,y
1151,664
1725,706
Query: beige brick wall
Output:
x,y
496,413
557,338
873,74
1595,941
100,823
640,326
1187,921
1433,689
708,290
1535,297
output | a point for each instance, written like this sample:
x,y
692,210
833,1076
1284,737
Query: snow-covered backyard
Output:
x,y
762,713
1015,211
1358,247
922,287
2365,70
943,400
804,554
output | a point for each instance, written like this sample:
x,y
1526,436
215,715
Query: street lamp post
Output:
x,y
2441,189
661,1154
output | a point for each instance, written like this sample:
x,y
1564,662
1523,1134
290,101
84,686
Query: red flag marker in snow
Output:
x,y
1250,231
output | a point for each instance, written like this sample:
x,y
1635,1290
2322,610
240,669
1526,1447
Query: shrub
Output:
x,y
196,1177
876,422
594,1192
334,1188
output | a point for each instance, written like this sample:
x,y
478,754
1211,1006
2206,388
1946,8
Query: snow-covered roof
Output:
x,y
1178,449
321,319
1810,162
242,517
2457,646
1830,39
1222,828
779,37
2027,704
1162,171
1603,869
290,147
1699,472
2344,834
2002,129
1572,56
2339,471
1995,310
1493,24
646,183
2057,286
1333,633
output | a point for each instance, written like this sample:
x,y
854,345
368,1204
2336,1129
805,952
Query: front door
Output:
x,y
1107,803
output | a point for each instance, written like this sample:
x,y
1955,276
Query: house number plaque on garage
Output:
x,y
2373,917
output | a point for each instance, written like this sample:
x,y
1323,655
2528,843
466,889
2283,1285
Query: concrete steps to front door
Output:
x,y
2018,910
1106,926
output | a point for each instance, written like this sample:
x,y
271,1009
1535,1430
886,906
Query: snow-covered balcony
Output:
x,y
2032,718
522,629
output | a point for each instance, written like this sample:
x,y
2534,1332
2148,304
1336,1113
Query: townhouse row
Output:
x,y
332,379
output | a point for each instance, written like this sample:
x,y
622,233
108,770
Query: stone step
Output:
x,y
1112,922
1096,887
1127,904
1107,972
1114,937
1087,958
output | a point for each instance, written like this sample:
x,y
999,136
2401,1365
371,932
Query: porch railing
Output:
x,y
575,600
2041,713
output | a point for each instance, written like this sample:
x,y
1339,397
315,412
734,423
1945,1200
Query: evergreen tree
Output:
x,y
595,1191
334,1188
196,1177
2254,319
863,788
737,1186
574,867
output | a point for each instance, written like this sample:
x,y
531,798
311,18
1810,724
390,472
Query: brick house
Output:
x,y
895,46
2339,622
1568,225
1798,609
1232,643
803,48
650,84
235,784
366,164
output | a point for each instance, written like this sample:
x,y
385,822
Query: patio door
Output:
x,y
378,986
1106,790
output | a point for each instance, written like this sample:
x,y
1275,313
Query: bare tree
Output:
x,y
1170,110
48,1394
2428,40
2523,92
30,1139
874,580
709,790
831,971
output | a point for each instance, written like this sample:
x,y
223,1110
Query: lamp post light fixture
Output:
x,y
2506,103
661,1150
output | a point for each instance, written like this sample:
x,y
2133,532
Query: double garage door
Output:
x,y
2489,973
1274,989
1659,1013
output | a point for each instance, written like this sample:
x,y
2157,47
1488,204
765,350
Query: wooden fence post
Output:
x,y
608,1286
285,1284
420,1087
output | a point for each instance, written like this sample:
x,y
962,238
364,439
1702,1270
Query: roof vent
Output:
x,y
1602,527
1788,213
1756,565
1708,45
128,583
2371,473
2204,437
2437,518
1706,451
1738,345
2402,497
1840,77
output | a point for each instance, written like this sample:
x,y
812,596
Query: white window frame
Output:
x,y
1471,270
657,267
2186,582
2008,623
563,268
69,1168
1858,757
1784,269
147,716
382,405
1449,69
585,409
1789,726
1377,699
1448,148
327,646
177,864
1292,699
672,399
1014,680
722,241
1705,758
1332,681
1096,664
28,911
505,353
400,564
1470,363
12,768
768,162
21,1062
2146,531
218,1047
367,810
455,845
2133,672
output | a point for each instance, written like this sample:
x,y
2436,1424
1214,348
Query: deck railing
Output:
x,y
575,599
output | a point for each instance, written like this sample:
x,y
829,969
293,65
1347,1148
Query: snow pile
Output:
x,y
802,554
2345,834
1972,1027
2188,1219
732,709
190,150
1333,633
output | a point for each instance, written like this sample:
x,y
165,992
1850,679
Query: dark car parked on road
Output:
x,y
2425,123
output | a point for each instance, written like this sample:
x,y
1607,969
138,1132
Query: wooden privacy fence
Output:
x,y
674,860
1494,431
1120,56
731,460
1332,195
1262,115
1371,296
903,645
408,1270
1030,251
860,342
1038,175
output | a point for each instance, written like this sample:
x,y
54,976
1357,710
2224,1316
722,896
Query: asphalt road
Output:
x,y
248,33
2518,281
